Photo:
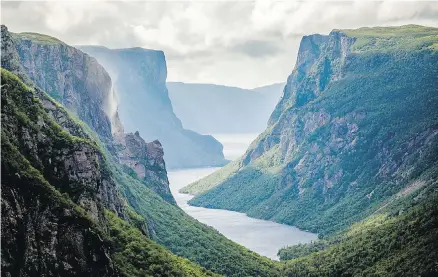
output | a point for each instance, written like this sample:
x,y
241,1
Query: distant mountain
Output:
x,y
139,77
209,108
272,88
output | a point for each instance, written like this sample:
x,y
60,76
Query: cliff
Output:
x,y
69,76
54,191
139,77
80,83
356,129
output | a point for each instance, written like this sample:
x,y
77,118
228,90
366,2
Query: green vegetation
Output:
x,y
382,245
37,38
385,39
170,226
379,140
136,255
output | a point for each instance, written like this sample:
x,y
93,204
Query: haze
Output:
x,y
243,44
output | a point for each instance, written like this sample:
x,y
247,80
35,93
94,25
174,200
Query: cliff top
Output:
x,y
138,50
37,38
407,37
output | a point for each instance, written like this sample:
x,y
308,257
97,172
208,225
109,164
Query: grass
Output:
x,y
37,38
385,39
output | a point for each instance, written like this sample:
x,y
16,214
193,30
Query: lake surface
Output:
x,y
261,236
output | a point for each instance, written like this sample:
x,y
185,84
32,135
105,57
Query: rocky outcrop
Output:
x,y
146,160
355,127
320,60
139,77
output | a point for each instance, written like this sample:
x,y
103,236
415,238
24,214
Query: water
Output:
x,y
261,236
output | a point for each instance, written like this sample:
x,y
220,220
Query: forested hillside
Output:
x,y
355,129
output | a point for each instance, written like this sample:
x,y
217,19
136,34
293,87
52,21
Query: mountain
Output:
x,y
83,86
213,109
139,77
355,130
79,203
276,89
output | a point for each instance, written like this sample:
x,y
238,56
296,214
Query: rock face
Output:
x,y
146,160
139,77
356,127
215,109
48,231
69,76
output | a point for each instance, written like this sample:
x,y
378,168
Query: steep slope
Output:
x,y
69,76
355,129
215,109
401,244
61,211
140,81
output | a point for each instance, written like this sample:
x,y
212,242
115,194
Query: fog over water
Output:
x,y
261,236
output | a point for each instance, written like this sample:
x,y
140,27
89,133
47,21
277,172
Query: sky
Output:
x,y
237,43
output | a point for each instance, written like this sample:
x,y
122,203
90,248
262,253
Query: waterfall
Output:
x,y
111,107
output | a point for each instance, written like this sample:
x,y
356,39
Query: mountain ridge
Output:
x,y
338,113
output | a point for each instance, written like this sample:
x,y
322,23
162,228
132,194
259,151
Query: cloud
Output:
x,y
244,44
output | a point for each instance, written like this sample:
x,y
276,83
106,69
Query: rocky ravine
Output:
x,y
139,77
355,127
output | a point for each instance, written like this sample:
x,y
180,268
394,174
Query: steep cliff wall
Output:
x,y
62,214
54,190
81,84
140,80
355,129
68,75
